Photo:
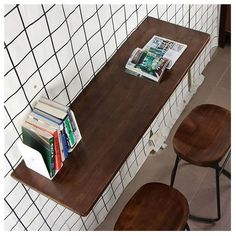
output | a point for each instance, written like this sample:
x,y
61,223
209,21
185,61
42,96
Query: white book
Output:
x,y
51,110
54,104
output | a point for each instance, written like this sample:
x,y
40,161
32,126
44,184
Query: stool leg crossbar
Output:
x,y
219,170
222,168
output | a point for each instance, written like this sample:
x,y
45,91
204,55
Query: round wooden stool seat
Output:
x,y
203,138
154,206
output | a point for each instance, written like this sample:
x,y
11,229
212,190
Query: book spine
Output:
x,y
64,143
58,162
71,121
51,160
69,132
61,145
75,126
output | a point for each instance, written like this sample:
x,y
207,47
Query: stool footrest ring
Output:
x,y
226,173
203,219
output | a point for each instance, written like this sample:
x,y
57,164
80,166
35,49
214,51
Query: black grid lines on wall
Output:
x,y
55,51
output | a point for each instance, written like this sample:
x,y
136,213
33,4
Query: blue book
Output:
x,y
64,143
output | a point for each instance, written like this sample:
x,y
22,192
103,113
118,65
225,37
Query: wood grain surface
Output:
x,y
113,112
203,138
154,206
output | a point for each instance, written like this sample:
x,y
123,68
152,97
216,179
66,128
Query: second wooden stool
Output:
x,y
203,139
155,206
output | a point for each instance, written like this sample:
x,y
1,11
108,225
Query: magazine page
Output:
x,y
166,48
147,63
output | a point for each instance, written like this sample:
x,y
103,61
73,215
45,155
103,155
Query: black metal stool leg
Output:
x,y
218,193
187,227
211,220
174,171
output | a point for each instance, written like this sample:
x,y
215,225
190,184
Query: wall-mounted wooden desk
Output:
x,y
113,113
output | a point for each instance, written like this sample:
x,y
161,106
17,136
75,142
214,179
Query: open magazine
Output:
x,y
156,56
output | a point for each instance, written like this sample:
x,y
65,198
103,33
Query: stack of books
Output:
x,y
52,130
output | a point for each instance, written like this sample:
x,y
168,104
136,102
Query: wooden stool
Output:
x,y
203,139
155,206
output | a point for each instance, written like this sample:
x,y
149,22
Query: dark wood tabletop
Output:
x,y
113,112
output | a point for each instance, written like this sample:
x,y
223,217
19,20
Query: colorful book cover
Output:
x,y
62,115
58,122
70,113
156,56
52,125
69,132
45,127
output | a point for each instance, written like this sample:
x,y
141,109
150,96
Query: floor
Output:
x,y
196,183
